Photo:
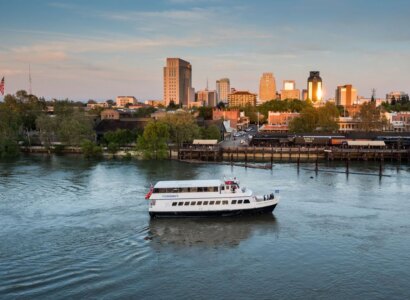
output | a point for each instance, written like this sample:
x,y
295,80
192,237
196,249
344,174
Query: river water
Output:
x,y
71,228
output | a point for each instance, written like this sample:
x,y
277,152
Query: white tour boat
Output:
x,y
200,198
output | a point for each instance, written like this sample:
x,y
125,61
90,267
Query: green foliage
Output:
x,y
9,127
205,112
144,112
369,117
307,122
153,142
251,112
90,149
113,148
121,137
288,105
327,118
47,126
182,127
211,133
74,128
311,119
172,106
402,105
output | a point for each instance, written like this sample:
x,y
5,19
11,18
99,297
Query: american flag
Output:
x,y
2,86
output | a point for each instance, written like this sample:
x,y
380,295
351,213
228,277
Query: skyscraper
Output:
x,y
223,88
346,95
267,87
177,81
314,86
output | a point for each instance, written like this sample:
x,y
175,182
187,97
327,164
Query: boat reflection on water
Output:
x,y
210,232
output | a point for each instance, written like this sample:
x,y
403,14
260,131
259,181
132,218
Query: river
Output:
x,y
72,228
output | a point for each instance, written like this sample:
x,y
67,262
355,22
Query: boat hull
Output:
x,y
216,213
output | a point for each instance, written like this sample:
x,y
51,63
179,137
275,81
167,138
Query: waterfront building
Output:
x,y
122,101
223,88
289,90
241,98
396,96
346,95
267,87
278,121
177,81
401,121
314,87
348,124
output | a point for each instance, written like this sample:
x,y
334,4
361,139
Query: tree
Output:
x,y
48,128
9,128
306,122
369,117
211,133
182,127
327,116
153,142
145,112
90,149
205,112
74,128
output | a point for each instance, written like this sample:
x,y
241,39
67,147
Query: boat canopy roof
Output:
x,y
187,183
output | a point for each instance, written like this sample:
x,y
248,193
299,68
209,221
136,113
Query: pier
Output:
x,y
291,154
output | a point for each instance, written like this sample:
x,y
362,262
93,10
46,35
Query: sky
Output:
x,y
99,49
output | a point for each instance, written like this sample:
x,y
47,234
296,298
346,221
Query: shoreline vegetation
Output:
x,y
27,124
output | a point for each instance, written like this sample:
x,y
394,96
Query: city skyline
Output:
x,y
103,49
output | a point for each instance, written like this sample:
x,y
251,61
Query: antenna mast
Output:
x,y
29,79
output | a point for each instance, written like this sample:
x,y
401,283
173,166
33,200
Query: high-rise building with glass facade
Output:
x,y
314,87
267,87
177,81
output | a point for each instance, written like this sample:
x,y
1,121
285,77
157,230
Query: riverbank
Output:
x,y
246,154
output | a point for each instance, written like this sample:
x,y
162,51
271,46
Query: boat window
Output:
x,y
222,188
246,201
199,203
211,202
193,203
225,202
186,203
233,201
218,202
215,188
200,189
174,203
194,189
210,189
180,203
205,202
156,191
239,201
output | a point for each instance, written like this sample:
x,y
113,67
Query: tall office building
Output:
x,y
177,81
315,88
223,88
289,90
267,87
346,95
